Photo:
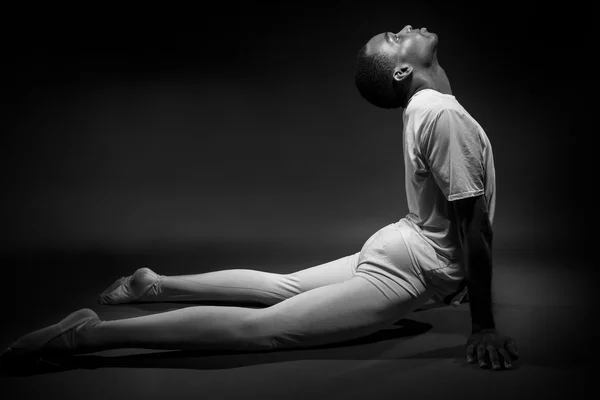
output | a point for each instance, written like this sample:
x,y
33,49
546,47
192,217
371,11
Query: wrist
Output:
x,y
478,328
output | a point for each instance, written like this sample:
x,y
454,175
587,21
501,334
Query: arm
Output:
x,y
453,151
476,235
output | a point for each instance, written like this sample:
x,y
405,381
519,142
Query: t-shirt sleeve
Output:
x,y
453,151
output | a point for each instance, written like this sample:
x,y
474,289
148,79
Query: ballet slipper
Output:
x,y
142,284
58,339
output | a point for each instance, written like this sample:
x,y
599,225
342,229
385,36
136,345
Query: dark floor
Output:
x,y
542,300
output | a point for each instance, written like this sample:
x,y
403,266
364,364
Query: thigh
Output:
x,y
387,261
329,314
332,272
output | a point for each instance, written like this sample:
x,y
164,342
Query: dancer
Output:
x,y
441,250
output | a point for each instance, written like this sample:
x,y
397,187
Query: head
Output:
x,y
391,65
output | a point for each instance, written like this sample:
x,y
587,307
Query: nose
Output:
x,y
405,29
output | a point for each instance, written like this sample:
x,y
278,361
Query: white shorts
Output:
x,y
397,256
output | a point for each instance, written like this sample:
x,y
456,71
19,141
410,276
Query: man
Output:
x,y
442,243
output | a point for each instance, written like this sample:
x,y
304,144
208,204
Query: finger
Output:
x,y
481,355
506,358
493,357
511,346
471,353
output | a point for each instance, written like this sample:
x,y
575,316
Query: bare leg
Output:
x,y
236,285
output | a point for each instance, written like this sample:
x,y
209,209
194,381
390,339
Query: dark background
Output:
x,y
240,123
230,135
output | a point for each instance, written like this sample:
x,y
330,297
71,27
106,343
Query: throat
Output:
x,y
440,80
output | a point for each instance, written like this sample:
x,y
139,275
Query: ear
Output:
x,y
402,72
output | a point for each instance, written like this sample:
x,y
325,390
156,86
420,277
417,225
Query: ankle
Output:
x,y
88,335
146,282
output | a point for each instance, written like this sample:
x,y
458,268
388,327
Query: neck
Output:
x,y
433,77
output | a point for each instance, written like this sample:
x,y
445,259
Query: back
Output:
x,y
447,157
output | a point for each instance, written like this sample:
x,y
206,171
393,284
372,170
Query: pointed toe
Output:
x,y
57,338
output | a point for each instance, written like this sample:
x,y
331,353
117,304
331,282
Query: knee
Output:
x,y
259,332
290,284
281,287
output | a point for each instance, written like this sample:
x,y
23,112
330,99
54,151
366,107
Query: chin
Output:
x,y
434,40
432,48
430,37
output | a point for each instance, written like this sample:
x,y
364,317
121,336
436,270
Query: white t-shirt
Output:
x,y
447,157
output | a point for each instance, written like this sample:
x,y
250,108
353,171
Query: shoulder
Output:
x,y
429,100
437,109
447,110
452,118
438,117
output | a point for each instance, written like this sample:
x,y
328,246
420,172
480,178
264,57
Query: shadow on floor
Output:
x,y
371,347
222,359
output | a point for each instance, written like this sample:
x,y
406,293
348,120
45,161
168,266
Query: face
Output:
x,y
416,47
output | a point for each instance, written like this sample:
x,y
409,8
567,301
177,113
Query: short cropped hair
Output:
x,y
373,79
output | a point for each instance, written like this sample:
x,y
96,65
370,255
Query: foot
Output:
x,y
63,338
141,286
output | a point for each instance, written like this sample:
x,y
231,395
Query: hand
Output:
x,y
492,342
